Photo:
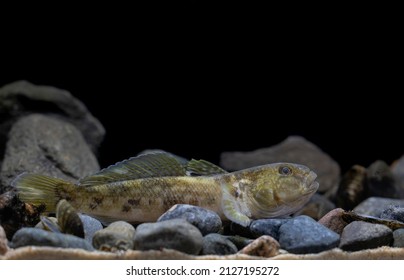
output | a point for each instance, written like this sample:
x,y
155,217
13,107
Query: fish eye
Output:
x,y
285,170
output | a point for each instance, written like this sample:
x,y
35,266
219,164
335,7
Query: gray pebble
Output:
x,y
374,206
91,226
40,237
393,212
115,237
216,244
303,235
398,236
361,235
267,227
175,234
205,220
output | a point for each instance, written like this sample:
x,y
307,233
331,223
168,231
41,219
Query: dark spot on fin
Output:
x,y
140,167
203,167
134,202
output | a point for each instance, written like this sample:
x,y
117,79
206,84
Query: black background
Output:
x,y
198,102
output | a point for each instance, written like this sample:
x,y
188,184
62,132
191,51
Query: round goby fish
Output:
x,y
142,188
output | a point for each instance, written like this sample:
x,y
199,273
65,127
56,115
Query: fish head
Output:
x,y
280,189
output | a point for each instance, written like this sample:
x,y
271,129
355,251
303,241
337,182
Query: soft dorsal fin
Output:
x,y
202,167
143,166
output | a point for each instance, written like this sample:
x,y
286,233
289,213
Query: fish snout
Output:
x,y
310,184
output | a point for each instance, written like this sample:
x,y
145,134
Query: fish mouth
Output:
x,y
311,185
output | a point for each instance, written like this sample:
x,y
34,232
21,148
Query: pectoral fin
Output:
x,y
234,209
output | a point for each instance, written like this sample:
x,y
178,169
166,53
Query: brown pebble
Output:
x,y
3,242
264,246
334,221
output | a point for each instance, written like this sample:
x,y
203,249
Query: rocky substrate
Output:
x,y
356,215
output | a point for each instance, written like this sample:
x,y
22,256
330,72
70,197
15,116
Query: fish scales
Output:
x,y
142,188
144,200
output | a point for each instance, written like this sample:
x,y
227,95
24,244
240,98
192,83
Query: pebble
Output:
x,y
294,149
362,235
264,246
175,234
334,221
3,241
239,241
316,207
393,212
118,236
303,235
216,244
374,206
205,220
40,237
398,236
268,227
91,226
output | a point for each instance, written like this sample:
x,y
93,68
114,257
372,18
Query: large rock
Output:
x,y
47,145
303,235
175,234
294,149
20,98
361,235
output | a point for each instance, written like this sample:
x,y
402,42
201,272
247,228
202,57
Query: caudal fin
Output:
x,y
40,190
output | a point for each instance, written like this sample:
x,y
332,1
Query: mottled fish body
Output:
x,y
143,188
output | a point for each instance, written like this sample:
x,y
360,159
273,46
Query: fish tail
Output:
x,y
41,190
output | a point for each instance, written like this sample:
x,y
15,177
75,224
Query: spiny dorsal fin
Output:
x,y
202,167
143,166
